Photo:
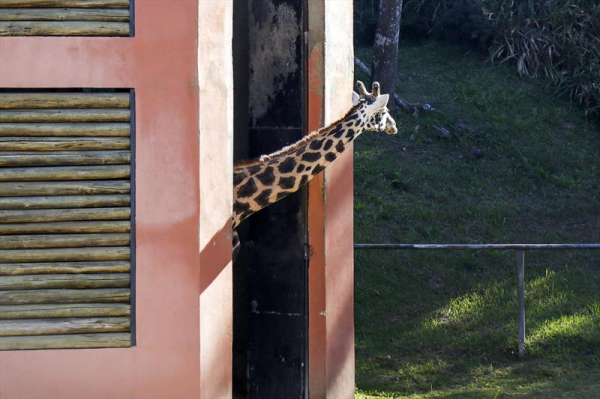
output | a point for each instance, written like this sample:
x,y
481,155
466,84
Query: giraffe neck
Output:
x,y
273,177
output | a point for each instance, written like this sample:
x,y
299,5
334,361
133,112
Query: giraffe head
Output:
x,y
373,108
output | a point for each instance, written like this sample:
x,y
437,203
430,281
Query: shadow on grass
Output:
x,y
446,330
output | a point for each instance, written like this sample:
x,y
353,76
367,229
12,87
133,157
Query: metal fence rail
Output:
x,y
512,247
520,252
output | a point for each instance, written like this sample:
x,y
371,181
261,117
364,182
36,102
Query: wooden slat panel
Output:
x,y
64,158
63,188
63,14
63,100
72,201
64,215
64,255
65,129
70,310
101,295
63,326
52,281
63,241
65,115
64,245
66,227
19,269
21,28
51,173
65,3
73,341
62,144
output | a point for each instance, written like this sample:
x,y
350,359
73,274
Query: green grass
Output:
x,y
443,324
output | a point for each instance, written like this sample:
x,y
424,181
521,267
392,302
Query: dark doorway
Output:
x,y
270,331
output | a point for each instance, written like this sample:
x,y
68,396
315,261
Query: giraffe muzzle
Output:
x,y
391,127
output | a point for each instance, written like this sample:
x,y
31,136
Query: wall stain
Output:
x,y
274,31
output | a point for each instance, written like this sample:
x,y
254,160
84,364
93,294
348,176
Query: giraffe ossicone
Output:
x,y
263,181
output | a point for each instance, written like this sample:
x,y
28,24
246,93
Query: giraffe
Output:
x,y
263,181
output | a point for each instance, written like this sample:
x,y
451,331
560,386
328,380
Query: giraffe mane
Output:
x,y
293,147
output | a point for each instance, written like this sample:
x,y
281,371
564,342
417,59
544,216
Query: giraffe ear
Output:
x,y
378,104
355,98
381,101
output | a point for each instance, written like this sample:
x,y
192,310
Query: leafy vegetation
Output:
x,y
520,165
555,39
448,20
365,21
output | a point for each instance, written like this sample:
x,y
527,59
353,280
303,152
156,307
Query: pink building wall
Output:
x,y
179,64
160,63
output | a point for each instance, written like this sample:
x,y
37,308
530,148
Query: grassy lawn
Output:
x,y
521,166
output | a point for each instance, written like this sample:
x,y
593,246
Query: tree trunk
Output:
x,y
385,47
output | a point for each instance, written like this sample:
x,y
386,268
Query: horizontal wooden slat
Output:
x,y
64,215
65,158
63,14
56,173
63,100
71,201
63,241
63,326
52,173
43,28
73,341
65,129
115,226
63,188
65,115
69,310
101,295
19,269
76,281
65,3
62,144
64,254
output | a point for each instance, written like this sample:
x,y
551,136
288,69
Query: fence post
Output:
x,y
521,300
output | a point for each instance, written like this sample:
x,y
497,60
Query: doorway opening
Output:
x,y
270,282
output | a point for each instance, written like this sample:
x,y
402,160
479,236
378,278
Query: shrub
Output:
x,y
365,21
453,20
558,39
552,38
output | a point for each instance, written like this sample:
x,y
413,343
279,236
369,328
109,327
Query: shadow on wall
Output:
x,y
215,256
216,324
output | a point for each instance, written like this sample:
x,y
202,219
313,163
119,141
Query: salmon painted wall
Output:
x,y
331,235
161,64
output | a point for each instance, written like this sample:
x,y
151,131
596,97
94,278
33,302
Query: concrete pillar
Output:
x,y
331,278
215,72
